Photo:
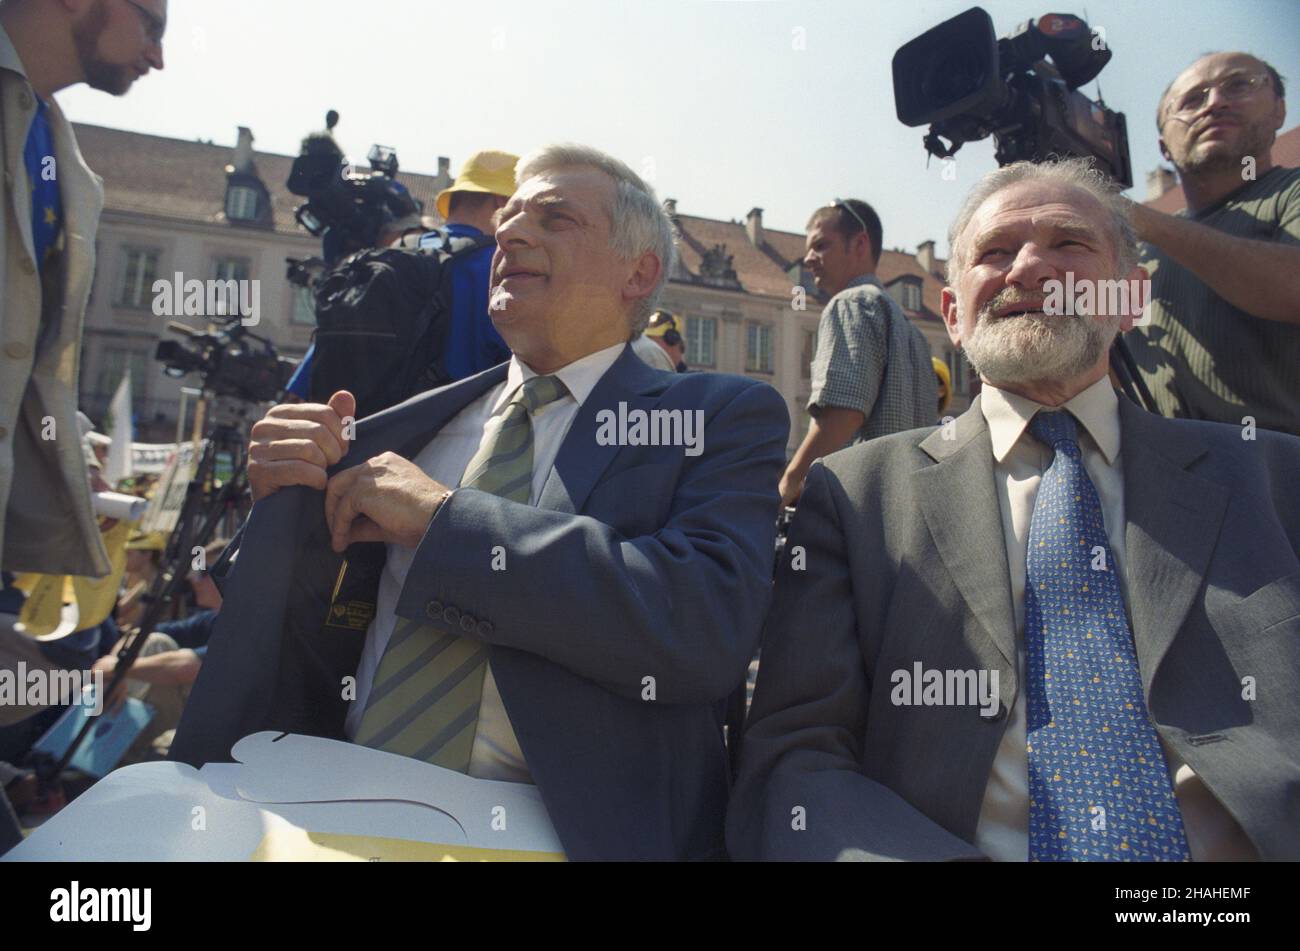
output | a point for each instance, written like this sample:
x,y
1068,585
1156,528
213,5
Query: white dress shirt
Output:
x,y
1019,461
496,753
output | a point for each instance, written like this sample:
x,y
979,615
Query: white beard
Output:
x,y
1038,349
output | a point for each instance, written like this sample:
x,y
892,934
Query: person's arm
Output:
x,y
168,668
830,429
683,605
846,375
1260,277
803,791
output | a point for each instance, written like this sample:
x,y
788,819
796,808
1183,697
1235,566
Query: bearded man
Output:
x,y
1223,340
1056,628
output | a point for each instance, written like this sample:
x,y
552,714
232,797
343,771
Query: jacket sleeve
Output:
x,y
803,792
683,605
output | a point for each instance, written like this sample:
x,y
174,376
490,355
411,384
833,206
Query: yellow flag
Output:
x,y
94,597
42,610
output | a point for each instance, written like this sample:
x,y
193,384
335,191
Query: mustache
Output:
x,y
1010,297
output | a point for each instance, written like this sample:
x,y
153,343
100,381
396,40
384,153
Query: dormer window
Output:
x,y
907,291
242,203
911,296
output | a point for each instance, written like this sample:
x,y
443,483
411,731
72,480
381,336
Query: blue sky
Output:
x,y
714,101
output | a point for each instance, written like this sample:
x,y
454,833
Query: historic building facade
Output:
x,y
209,212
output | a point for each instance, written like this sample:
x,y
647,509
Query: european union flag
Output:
x,y
47,207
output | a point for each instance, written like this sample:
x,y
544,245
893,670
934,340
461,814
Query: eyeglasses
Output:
x,y
841,203
154,25
1233,88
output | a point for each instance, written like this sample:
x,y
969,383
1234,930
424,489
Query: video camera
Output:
x,y
346,209
968,84
232,361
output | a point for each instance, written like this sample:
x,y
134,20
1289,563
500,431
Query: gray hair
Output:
x,y
638,223
1077,173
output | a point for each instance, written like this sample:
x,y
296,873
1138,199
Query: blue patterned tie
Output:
x,y
1099,787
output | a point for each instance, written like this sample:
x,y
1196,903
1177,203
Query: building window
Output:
x,y
304,306
113,364
911,296
809,352
231,269
701,337
800,276
241,203
758,348
135,277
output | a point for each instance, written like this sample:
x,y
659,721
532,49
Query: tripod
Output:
x,y
209,500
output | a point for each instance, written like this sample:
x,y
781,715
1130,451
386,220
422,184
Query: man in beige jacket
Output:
x,y
47,246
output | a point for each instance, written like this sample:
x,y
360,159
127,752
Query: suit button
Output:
x,y
25,99
451,614
485,629
3,432
434,610
28,266
16,349
467,623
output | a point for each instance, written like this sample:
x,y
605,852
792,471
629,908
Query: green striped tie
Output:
x,y
425,699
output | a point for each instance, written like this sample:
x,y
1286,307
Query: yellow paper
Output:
x,y
285,843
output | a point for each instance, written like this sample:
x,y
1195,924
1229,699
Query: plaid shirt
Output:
x,y
872,359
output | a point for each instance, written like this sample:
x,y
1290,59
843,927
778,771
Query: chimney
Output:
x,y
444,167
754,226
243,160
670,207
925,256
1159,181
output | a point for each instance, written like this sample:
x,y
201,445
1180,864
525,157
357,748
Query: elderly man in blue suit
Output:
x,y
551,572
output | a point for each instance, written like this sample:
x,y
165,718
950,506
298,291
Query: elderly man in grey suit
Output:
x,y
1057,628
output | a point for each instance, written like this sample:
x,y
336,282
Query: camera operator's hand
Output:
x,y
384,499
294,444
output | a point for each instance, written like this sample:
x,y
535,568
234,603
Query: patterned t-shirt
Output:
x,y
1203,358
872,359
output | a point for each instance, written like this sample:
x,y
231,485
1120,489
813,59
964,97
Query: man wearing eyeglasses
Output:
x,y
1223,342
47,259
871,375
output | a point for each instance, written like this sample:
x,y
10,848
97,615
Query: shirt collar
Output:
x,y
1096,408
9,58
861,280
457,230
579,377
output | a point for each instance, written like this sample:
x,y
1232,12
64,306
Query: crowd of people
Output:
x,y
1056,627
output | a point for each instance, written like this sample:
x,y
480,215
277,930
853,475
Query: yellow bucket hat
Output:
x,y
944,379
482,172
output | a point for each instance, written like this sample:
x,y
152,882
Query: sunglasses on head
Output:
x,y
841,203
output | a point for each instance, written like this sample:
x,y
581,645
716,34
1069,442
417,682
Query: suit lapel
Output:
x,y
407,427
582,459
959,501
1173,519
